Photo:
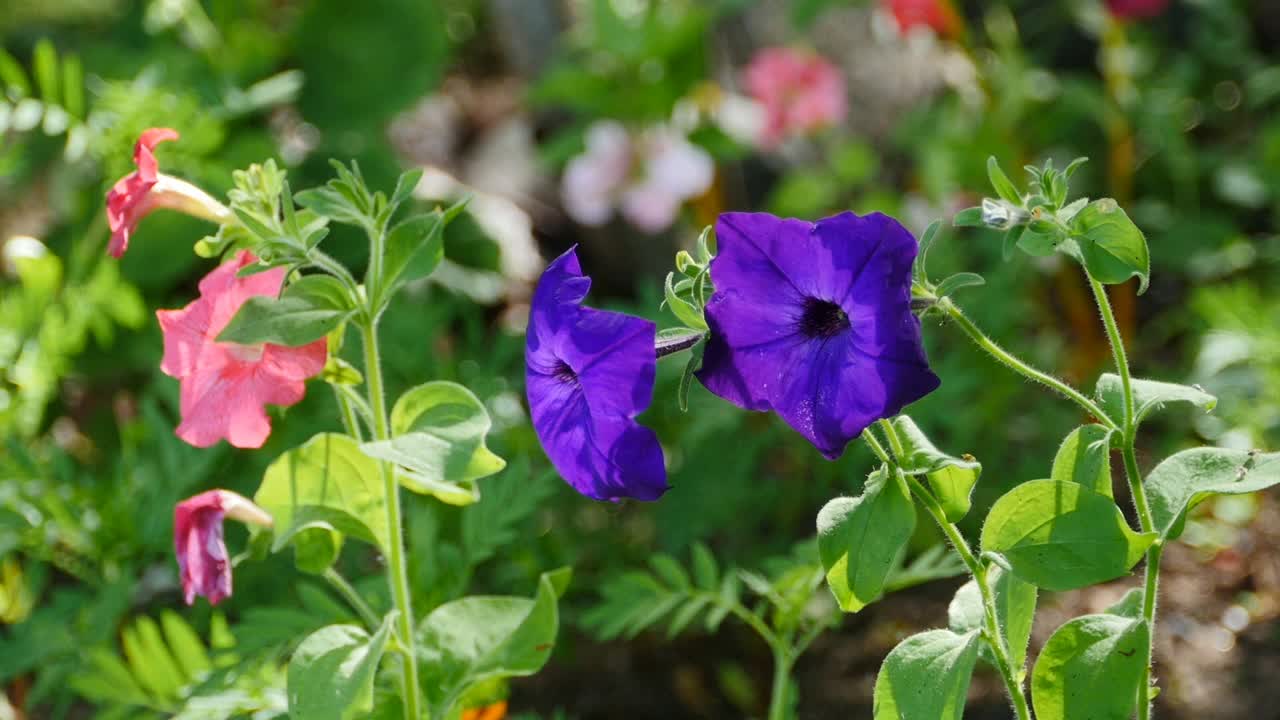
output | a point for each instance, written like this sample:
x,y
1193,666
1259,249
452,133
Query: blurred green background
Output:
x,y
1177,113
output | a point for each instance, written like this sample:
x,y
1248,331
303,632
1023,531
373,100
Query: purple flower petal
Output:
x,y
588,374
813,321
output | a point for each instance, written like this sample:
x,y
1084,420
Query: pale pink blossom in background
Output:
x,y
647,177
135,195
801,92
225,386
203,565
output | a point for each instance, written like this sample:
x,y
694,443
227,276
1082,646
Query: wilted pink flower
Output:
x,y
225,386
801,92
203,564
143,190
938,15
1136,9
648,176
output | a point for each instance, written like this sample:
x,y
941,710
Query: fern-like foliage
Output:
x,y
164,668
52,100
637,600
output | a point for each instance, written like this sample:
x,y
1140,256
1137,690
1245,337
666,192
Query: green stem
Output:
x,y
350,422
780,691
991,624
1136,489
1003,357
353,598
397,571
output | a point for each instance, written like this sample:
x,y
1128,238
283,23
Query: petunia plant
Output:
x,y
820,323
272,316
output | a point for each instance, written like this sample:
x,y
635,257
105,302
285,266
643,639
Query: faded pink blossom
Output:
x,y
203,564
1136,9
135,195
801,92
646,176
225,386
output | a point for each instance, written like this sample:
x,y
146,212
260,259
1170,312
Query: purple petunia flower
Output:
x,y
589,373
813,320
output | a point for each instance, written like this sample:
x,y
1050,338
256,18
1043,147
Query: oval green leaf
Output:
x,y
926,677
325,483
950,478
331,673
1085,458
306,312
1148,395
1062,535
1188,478
860,539
1111,248
474,639
439,443
1090,668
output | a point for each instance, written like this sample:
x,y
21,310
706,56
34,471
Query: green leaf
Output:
x,y
959,280
1111,247
1015,602
683,309
1039,244
686,376
1188,478
926,677
1148,395
1085,458
1010,243
328,201
860,539
325,483
186,645
150,659
1001,183
477,638
969,217
306,312
13,76
331,673
414,250
950,478
44,63
1090,668
1062,535
439,442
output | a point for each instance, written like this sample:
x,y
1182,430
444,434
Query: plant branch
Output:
x,y
353,599
1007,359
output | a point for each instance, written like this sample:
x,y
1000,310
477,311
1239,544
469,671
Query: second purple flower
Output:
x,y
814,321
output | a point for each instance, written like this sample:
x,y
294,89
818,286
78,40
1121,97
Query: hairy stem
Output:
x,y
1136,489
990,622
357,603
397,571
1007,359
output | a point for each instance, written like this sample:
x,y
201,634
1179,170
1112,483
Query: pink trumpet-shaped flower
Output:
x,y
226,386
203,563
135,195
801,92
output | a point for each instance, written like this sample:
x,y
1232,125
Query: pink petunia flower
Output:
x,y
135,195
801,92
937,15
647,176
1136,9
225,386
203,564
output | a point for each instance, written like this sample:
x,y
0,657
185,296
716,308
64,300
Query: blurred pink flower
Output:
x,y
801,92
145,189
225,386
937,15
1136,9
203,564
648,177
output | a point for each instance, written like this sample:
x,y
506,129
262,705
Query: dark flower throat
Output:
x,y
822,319
565,374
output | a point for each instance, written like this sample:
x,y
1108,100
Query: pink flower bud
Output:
x,y
203,564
